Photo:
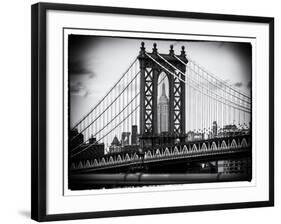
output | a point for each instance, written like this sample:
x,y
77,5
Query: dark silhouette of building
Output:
x,y
134,134
115,145
215,129
115,141
130,148
89,151
92,140
75,138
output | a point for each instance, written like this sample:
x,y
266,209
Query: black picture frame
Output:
x,y
39,121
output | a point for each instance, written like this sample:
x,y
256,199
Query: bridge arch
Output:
x,y
136,157
223,145
73,166
233,144
88,165
158,153
111,159
166,152
119,158
102,162
204,147
176,151
148,154
163,102
194,148
95,162
80,165
184,150
244,143
214,146
150,70
127,157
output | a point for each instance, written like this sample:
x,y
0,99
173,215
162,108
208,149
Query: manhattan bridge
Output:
x,y
206,136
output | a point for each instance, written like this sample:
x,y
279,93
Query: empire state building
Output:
x,y
163,111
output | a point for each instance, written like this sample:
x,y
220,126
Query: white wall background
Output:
x,y
15,110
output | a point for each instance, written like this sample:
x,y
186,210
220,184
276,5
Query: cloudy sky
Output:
x,y
96,63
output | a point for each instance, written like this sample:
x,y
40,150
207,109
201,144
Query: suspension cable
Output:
x,y
202,76
106,133
124,108
190,79
122,76
212,75
97,132
107,106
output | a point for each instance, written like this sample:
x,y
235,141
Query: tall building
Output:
x,y
134,134
78,138
163,111
215,129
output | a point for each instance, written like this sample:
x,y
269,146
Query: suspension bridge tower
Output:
x,y
152,65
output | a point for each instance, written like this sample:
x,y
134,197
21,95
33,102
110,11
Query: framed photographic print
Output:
x,y
138,111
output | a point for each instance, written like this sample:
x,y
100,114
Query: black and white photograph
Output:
x,y
146,111
151,112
